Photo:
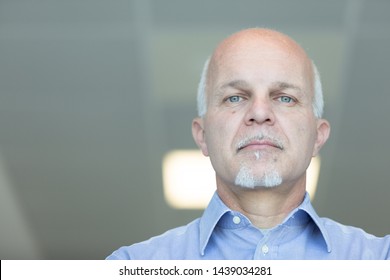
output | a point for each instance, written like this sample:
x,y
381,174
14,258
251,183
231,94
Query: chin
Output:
x,y
246,179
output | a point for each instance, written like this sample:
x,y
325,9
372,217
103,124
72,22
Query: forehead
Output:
x,y
258,41
256,58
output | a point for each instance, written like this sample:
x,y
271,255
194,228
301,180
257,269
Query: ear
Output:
x,y
199,135
323,131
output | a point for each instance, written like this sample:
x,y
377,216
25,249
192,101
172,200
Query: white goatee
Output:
x,y
246,179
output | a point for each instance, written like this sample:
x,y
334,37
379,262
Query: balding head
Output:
x,y
265,43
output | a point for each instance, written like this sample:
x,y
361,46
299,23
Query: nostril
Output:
x,y
254,120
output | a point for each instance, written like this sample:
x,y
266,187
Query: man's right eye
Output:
x,y
234,99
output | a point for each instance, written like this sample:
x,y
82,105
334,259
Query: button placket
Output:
x,y
263,249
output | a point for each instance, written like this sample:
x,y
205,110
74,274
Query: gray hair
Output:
x,y
318,100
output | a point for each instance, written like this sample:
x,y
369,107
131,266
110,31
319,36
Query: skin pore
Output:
x,y
259,129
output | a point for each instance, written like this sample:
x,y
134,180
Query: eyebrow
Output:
x,y
242,84
284,85
236,84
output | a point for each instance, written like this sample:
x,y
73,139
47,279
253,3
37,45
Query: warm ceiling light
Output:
x,y
189,179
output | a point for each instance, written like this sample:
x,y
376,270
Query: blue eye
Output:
x,y
286,99
234,99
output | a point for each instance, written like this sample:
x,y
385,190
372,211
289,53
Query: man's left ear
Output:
x,y
323,131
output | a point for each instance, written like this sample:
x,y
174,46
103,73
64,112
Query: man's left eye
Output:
x,y
286,99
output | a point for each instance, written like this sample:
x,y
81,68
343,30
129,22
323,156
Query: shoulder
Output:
x,y
354,242
176,243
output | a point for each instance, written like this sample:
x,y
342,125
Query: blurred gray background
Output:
x,y
93,93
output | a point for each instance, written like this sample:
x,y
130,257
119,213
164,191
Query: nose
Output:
x,y
260,111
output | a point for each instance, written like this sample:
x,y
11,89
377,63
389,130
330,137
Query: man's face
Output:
x,y
259,129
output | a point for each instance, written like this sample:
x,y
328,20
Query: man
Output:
x,y
260,108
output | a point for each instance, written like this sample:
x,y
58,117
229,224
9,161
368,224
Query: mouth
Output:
x,y
259,143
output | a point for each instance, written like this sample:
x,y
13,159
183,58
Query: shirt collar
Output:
x,y
213,213
309,209
216,209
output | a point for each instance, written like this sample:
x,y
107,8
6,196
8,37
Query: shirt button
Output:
x,y
236,220
265,249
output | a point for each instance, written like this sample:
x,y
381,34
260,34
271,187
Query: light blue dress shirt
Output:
x,y
225,234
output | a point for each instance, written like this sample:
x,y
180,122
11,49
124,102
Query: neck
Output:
x,y
265,207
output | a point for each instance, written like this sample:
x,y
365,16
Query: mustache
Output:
x,y
260,137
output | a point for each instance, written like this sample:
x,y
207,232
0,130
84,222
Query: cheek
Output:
x,y
213,136
303,132
306,139
219,135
